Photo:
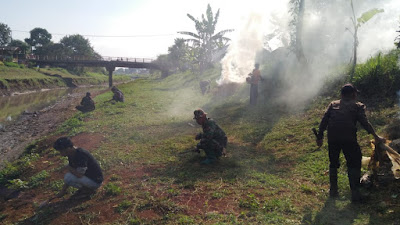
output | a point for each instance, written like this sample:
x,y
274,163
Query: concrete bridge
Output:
x,y
110,63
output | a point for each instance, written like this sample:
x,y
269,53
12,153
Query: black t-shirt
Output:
x,y
83,158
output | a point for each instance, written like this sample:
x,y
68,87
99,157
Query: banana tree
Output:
x,y
365,17
205,40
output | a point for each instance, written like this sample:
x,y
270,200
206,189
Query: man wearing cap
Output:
x,y
340,118
213,139
87,104
84,171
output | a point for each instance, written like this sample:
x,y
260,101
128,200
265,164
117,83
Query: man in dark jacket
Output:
x,y
213,139
340,118
87,104
118,95
84,171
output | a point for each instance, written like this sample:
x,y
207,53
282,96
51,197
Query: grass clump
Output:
x,y
112,189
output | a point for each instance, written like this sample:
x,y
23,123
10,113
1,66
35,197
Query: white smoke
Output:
x,y
325,41
250,39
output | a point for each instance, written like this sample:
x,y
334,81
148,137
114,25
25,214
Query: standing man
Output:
x,y
340,118
87,104
213,139
84,171
253,79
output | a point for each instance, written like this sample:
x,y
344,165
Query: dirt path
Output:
x,y
32,126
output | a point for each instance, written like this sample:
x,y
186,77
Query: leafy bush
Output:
x,y
11,64
379,77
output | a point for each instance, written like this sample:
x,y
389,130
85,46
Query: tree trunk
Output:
x,y
353,67
299,34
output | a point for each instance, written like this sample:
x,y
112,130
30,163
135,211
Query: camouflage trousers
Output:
x,y
213,148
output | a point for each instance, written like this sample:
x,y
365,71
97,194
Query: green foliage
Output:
x,y
72,125
206,42
17,184
11,64
250,202
112,189
5,34
368,15
39,37
379,77
123,206
37,179
13,170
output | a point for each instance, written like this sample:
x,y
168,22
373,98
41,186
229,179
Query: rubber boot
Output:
x,y
354,181
333,190
211,157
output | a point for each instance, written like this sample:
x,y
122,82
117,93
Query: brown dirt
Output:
x,y
31,127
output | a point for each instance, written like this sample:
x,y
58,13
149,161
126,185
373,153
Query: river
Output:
x,y
13,106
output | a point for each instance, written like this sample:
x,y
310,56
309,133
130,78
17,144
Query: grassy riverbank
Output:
x,y
274,174
17,79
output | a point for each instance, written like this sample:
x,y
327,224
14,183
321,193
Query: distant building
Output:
x,y
10,53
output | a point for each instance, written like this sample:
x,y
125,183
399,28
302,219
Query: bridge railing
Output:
x,y
84,58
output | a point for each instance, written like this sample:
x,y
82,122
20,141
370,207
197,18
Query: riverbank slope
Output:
x,y
273,172
14,78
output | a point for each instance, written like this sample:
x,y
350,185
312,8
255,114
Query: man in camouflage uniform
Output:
x,y
118,95
213,139
87,104
340,118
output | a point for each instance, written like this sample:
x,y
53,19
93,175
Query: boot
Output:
x,y
333,190
211,157
354,181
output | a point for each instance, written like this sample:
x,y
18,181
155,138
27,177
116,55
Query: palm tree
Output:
x,y
206,42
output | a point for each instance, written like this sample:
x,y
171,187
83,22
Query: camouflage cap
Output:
x,y
199,113
348,89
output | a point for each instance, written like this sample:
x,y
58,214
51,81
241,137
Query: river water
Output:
x,y
13,106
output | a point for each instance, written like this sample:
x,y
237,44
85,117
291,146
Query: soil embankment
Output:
x,y
32,126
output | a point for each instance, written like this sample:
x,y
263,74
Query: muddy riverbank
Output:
x,y
30,126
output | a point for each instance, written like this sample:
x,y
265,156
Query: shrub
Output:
x,y
379,77
11,64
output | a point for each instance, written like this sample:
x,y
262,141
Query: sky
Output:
x,y
153,23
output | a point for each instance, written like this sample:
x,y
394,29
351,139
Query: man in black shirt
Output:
x,y
84,171
87,104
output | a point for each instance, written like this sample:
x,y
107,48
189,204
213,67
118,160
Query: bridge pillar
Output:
x,y
110,70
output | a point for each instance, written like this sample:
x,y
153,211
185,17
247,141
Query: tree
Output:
x,y
178,54
398,40
77,45
5,34
297,11
357,24
20,44
205,40
39,37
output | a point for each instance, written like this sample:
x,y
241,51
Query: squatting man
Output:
x,y
84,171
213,139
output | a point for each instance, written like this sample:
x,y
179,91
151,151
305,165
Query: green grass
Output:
x,y
274,173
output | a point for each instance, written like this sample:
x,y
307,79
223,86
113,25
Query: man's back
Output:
x,y
341,118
